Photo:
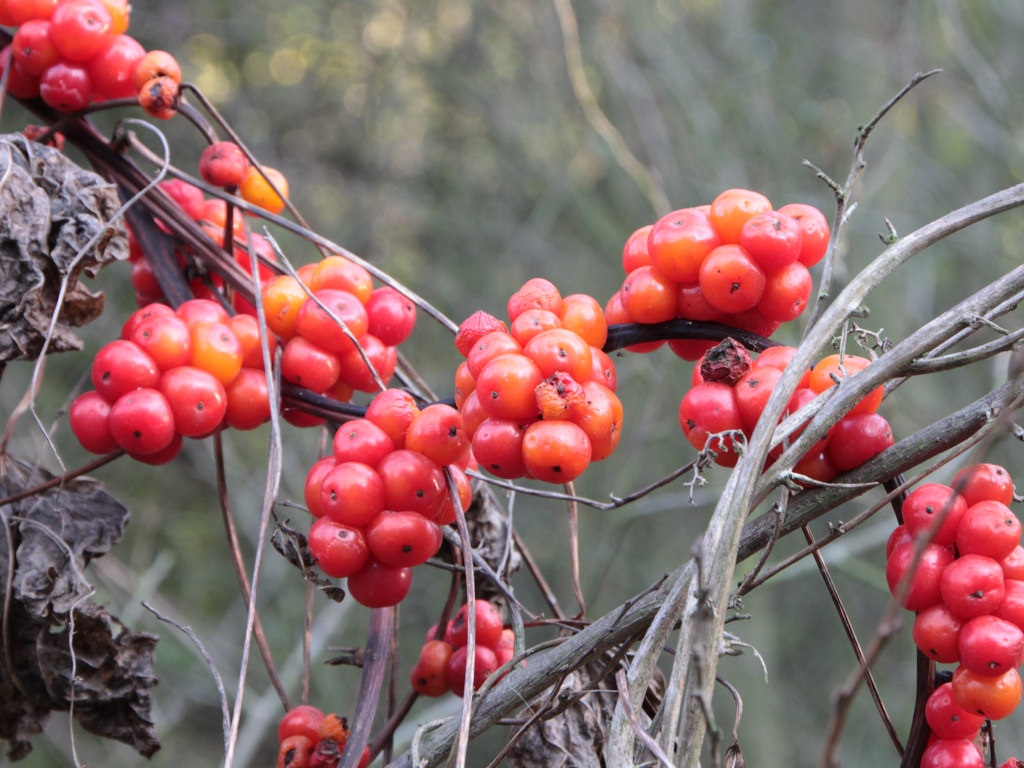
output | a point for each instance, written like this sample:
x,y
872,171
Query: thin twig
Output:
x,y
225,709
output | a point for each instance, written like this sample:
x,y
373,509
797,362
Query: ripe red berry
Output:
x,y
223,164
988,528
88,417
934,509
772,239
678,243
484,663
80,29
300,720
984,482
972,585
951,753
429,676
488,625
438,433
856,438
916,581
937,633
412,482
378,585
402,538
814,231
248,400
120,367
142,422
112,69
318,320
66,86
197,399
340,550
556,451
947,719
990,645
498,446
362,440
390,315
33,49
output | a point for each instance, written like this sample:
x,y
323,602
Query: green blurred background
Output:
x,y
443,141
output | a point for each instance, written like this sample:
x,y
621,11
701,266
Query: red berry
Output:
x,y
484,663
301,720
916,581
197,399
340,550
88,417
390,315
66,86
934,509
142,421
488,625
112,69
378,585
429,677
988,528
947,719
972,585
772,239
223,164
984,482
402,538
120,367
990,645
80,29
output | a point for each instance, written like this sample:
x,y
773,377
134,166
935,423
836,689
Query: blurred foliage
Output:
x,y
443,141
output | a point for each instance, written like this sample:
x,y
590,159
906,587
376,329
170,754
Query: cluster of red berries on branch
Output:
x,y
379,500
172,374
956,560
74,53
340,333
307,738
730,389
538,395
736,261
442,662
210,214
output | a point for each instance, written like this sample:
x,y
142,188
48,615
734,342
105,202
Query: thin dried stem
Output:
x,y
851,634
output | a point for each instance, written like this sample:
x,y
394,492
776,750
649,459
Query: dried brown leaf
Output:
x,y
50,209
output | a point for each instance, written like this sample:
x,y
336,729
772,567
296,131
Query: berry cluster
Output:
x,y
441,666
307,738
729,391
73,53
381,496
211,215
956,561
736,261
172,374
538,396
339,332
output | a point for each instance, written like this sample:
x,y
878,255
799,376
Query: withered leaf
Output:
x,y
50,208
54,534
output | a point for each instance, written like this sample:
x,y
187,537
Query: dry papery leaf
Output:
x,y
50,209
